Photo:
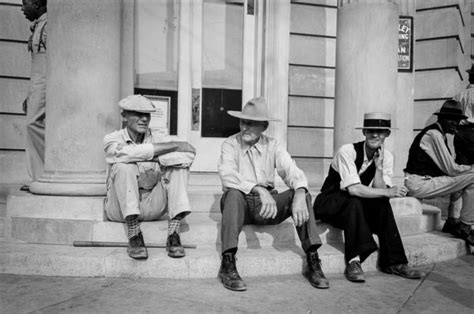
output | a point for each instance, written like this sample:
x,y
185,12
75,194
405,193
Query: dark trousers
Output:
x,y
239,209
360,218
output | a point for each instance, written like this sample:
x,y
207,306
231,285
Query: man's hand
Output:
x,y
185,147
397,191
269,208
378,157
25,105
299,207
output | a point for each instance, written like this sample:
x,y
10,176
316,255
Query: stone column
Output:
x,y
83,89
366,66
275,62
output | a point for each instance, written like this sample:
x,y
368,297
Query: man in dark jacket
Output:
x,y
355,197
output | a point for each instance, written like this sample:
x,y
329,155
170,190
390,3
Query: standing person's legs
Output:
x,y
35,144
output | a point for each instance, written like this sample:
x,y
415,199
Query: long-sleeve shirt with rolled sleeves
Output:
x,y
242,166
433,143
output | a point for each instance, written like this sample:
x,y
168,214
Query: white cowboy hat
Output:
x,y
255,109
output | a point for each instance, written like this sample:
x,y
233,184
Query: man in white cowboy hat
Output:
x,y
431,170
147,177
355,198
247,170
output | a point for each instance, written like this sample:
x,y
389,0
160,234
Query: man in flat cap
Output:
x,y
355,198
147,178
431,170
247,170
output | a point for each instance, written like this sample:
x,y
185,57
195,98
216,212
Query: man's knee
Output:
x,y
232,198
124,168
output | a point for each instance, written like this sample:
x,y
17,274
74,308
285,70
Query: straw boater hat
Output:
x,y
377,120
451,109
255,109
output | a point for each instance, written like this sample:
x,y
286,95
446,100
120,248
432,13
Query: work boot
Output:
x,y
354,272
229,275
174,247
450,225
313,271
136,247
463,231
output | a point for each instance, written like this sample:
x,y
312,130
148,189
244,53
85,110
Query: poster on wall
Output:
x,y
405,44
160,119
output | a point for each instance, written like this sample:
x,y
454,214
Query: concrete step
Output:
x,y
62,260
62,220
198,228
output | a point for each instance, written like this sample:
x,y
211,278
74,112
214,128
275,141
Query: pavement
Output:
x,y
447,288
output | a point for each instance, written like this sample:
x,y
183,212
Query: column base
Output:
x,y
63,183
68,189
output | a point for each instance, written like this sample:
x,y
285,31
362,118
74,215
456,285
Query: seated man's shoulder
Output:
x,y
114,135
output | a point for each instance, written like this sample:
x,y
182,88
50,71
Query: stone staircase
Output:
x,y
38,232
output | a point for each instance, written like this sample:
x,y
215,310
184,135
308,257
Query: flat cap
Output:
x,y
137,103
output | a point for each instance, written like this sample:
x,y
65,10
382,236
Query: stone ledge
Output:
x,y
60,260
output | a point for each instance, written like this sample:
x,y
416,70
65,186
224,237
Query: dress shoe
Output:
x,y
313,271
404,270
229,275
174,247
463,231
136,247
354,272
450,225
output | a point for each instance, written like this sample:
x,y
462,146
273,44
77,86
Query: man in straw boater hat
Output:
x,y
431,170
146,177
247,170
355,198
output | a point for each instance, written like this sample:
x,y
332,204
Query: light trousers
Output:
x,y
35,117
124,198
429,187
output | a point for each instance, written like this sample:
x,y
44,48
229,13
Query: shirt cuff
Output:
x,y
350,180
247,186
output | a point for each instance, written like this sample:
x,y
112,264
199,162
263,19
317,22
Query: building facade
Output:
x,y
320,63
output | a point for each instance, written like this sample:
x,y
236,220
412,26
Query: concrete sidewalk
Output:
x,y
448,288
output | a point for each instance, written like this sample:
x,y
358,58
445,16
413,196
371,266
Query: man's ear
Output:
x,y
363,131
266,126
388,132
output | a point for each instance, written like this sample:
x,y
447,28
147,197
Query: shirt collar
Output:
x,y
128,139
37,21
245,147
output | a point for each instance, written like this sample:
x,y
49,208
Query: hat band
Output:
x,y
450,111
377,123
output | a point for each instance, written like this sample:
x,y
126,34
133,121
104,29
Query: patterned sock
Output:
x,y
173,226
133,226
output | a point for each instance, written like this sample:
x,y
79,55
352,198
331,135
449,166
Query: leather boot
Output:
x,y
136,247
313,271
229,275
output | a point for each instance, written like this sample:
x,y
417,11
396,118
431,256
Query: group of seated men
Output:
x,y
147,180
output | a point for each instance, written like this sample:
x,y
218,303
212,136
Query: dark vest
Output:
x,y
333,180
419,162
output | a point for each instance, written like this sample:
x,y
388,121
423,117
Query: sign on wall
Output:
x,y
160,119
405,44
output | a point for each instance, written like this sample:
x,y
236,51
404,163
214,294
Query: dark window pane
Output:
x,y
216,122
